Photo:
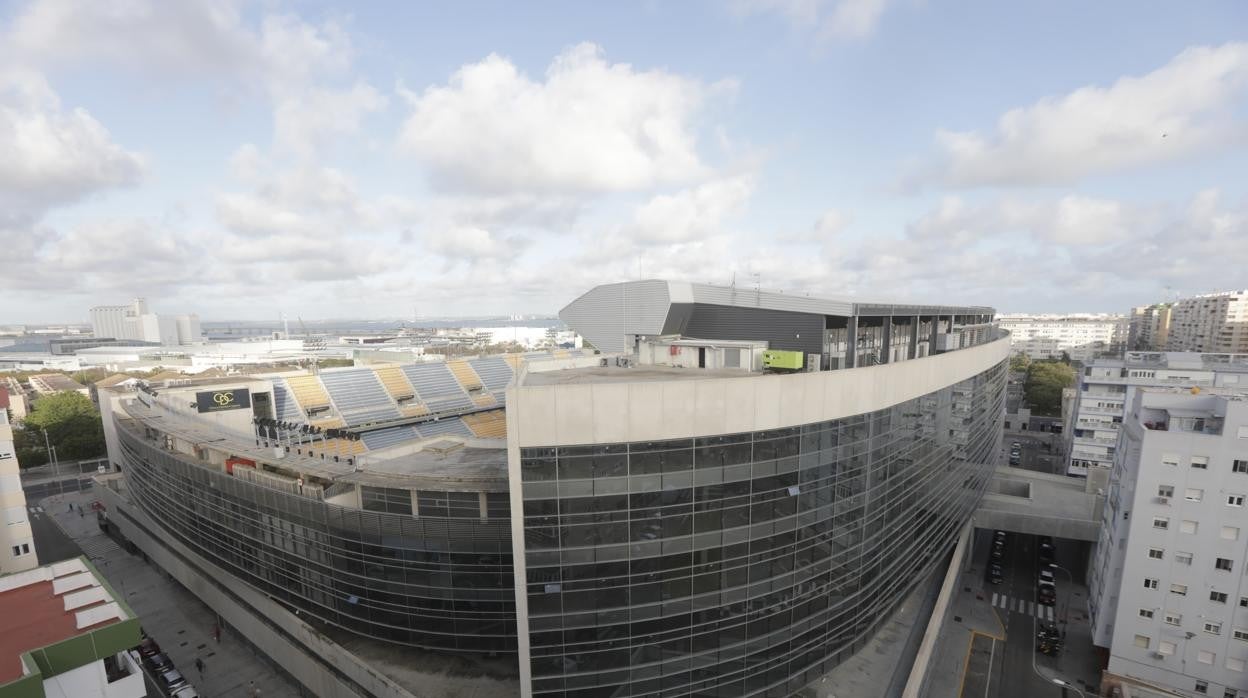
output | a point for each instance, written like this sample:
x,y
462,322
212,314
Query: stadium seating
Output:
x,y
437,387
453,426
309,393
487,425
396,384
467,377
359,396
383,438
495,373
287,409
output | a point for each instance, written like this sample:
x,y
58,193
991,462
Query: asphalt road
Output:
x,y
50,541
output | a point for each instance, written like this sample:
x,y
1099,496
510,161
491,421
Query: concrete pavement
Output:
x,y
175,618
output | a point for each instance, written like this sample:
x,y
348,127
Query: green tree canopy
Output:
x,y
1019,362
72,424
1043,386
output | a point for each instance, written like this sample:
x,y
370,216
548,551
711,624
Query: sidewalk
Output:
x,y
179,622
971,615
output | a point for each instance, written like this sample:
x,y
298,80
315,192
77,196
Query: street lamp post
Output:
x,y
1065,609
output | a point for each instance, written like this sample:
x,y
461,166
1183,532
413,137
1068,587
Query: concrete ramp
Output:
x,y
1024,501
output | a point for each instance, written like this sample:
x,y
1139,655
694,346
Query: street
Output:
x,y
51,543
1012,664
1035,451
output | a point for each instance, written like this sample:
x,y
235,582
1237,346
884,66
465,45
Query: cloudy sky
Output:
x,y
240,159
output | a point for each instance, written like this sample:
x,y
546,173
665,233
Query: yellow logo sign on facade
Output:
x,y
223,399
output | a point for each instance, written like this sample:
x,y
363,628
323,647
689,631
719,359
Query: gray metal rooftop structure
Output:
x,y
613,316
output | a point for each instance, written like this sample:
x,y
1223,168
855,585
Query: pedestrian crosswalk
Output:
x,y
1030,608
99,547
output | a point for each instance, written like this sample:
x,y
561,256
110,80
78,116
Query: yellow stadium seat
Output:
x,y
308,391
465,375
484,400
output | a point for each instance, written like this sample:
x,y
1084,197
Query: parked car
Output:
x,y
1046,595
1046,576
1046,549
159,662
172,680
186,692
995,573
148,647
998,551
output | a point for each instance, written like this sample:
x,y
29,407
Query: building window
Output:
x,y
1223,564
1205,657
1166,647
1183,558
20,550
1240,634
1213,627
1156,553
1202,687
1217,596
1230,533
1193,494
1234,500
1180,589
1161,522
1188,526
1200,462
1166,491
1150,583
1143,641
1239,466
1174,618
1170,459
1234,664
1146,613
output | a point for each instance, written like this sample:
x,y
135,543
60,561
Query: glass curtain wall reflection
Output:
x,y
744,564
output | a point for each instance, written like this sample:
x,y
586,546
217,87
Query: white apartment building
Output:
x,y
17,544
1106,387
1167,591
1149,327
1211,322
136,322
1082,336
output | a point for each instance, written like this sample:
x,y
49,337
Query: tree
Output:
x,y
72,424
1019,362
1044,384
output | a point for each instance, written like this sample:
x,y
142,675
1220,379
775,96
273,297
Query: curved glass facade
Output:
x,y
441,580
744,564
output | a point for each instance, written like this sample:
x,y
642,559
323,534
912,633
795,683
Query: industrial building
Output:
x,y
137,322
685,512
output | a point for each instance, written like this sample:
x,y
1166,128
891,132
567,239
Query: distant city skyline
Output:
x,y
335,161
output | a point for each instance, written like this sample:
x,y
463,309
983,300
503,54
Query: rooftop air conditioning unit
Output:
x,y
1162,500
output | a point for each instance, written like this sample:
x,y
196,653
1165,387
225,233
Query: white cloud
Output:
x,y
589,126
304,120
307,201
1181,109
49,155
827,19
472,244
690,214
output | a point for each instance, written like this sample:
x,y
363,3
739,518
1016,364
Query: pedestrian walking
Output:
x,y
80,511
254,690
216,632
199,665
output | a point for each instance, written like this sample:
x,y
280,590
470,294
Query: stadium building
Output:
x,y
684,513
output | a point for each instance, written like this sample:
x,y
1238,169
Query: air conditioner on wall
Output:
x,y
1162,500
1158,655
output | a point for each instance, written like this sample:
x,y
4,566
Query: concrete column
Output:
x,y
886,352
914,337
931,347
851,337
